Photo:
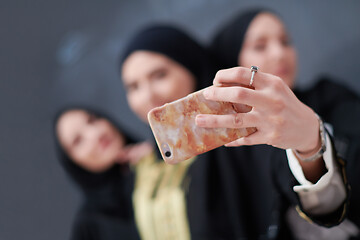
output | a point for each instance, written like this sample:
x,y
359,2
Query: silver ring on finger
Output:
x,y
253,69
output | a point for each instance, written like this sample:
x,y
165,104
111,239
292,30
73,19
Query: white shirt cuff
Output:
x,y
328,193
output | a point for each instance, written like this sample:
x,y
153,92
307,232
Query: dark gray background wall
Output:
x,y
60,52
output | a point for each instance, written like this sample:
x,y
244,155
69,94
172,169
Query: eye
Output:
x,y
259,44
131,87
77,141
259,47
159,74
286,42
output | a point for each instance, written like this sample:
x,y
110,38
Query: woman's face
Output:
x,y
152,79
91,142
268,46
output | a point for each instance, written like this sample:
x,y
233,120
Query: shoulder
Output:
x,y
327,86
326,94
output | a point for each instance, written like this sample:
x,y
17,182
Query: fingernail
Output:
x,y
217,84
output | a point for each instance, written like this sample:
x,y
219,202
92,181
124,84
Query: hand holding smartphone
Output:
x,y
177,135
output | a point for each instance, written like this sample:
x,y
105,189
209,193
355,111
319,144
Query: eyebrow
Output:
x,y
259,38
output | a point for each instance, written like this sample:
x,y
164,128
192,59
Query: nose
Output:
x,y
277,51
93,136
149,95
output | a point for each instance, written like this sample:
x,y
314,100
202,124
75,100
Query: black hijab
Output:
x,y
222,183
248,192
228,41
107,190
177,45
326,98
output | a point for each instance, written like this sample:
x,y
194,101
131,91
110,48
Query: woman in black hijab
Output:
x,y
226,193
258,37
221,193
96,153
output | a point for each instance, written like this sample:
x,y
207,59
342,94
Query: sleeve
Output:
x,y
286,179
328,193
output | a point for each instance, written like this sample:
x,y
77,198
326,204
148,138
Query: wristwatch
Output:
x,y
321,151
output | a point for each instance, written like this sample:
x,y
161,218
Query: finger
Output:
x,y
238,120
235,95
134,156
139,151
122,159
253,139
123,156
239,76
242,108
145,148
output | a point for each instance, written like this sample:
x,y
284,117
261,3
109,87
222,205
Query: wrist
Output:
x,y
308,153
312,146
311,134
312,153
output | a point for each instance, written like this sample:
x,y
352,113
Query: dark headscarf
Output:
x,y
227,193
177,45
107,189
228,41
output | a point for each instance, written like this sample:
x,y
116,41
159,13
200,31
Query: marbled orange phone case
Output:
x,y
177,135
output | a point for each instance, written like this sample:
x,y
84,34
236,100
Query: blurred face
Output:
x,y
268,46
152,79
91,142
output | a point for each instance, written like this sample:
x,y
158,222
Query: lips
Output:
x,y
105,141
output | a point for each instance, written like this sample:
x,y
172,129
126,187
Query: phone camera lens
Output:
x,y
166,150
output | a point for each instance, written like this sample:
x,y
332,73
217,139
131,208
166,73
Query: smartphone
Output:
x,y
177,135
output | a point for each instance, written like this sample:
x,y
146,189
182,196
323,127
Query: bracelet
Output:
x,y
321,151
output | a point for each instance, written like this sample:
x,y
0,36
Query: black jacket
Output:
x,y
234,193
340,107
